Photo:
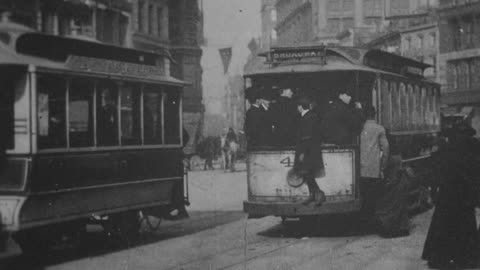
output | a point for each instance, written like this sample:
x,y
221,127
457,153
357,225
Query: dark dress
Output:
x,y
341,124
391,212
452,236
284,117
308,144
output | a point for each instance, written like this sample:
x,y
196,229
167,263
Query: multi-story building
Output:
x,y
345,22
105,21
421,43
268,15
268,38
459,58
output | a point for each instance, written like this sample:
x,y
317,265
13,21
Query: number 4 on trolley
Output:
x,y
287,162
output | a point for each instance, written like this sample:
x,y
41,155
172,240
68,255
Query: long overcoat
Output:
x,y
285,117
452,234
258,127
341,123
309,146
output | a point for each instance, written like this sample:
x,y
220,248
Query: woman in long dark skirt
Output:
x,y
452,238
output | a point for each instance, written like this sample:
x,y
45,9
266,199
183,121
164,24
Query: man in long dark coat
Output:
x,y
258,122
285,117
452,237
308,154
341,124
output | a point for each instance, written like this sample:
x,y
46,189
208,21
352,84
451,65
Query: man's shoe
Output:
x,y
310,199
320,198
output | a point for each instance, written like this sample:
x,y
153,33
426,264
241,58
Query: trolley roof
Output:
x,y
304,59
21,46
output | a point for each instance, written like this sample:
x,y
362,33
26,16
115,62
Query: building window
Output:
x,y
407,45
334,5
150,18
273,36
467,74
273,15
111,27
467,33
373,8
159,21
421,41
140,17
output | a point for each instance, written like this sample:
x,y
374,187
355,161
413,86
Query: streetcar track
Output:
x,y
213,255
266,239
296,242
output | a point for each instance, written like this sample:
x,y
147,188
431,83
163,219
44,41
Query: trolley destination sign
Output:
x,y
92,64
285,55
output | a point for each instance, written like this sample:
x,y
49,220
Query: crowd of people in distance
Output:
x,y
228,146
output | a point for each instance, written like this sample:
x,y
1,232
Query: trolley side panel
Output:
x,y
268,171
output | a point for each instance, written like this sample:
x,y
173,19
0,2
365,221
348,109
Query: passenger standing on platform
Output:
x,y
285,117
341,123
374,151
308,154
258,124
452,239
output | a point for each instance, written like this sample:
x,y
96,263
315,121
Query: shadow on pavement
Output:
x,y
322,226
97,243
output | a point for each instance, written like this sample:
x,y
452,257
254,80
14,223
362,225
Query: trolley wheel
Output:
x,y
125,225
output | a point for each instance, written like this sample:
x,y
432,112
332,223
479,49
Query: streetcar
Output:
x,y
90,133
407,105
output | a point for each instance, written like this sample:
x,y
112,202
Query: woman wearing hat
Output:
x,y
452,238
308,154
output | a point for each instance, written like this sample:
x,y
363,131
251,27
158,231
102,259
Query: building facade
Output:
x,y
105,21
344,22
460,58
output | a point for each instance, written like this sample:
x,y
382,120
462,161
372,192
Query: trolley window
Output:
x,y
80,113
107,114
172,117
410,108
152,116
403,113
130,114
395,106
51,112
386,104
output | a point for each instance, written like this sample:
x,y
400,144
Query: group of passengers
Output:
x,y
300,123
453,239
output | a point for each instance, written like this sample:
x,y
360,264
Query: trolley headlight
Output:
x,y
9,211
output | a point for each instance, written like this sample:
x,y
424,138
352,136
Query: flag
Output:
x,y
226,55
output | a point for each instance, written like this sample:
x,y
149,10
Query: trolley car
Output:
x,y
408,106
88,130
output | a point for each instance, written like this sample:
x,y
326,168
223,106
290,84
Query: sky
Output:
x,y
227,23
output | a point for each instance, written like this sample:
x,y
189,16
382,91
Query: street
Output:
x,y
219,236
